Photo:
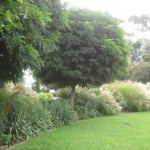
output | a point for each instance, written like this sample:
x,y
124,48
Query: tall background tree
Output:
x,y
28,29
91,51
141,50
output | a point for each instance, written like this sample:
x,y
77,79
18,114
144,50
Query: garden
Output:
x,y
38,117
119,132
98,74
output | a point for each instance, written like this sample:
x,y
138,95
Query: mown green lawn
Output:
x,y
130,131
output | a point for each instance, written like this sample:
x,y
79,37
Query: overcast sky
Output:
x,y
122,9
118,8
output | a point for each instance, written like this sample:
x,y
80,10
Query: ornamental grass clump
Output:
x,y
21,115
106,103
92,102
132,96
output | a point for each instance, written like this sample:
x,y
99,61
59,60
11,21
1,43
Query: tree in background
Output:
x,y
142,22
136,55
91,51
141,70
28,29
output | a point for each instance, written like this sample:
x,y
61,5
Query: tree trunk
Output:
x,y
73,88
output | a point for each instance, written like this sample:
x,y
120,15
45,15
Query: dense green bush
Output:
x,y
106,103
92,102
63,93
62,113
20,114
33,122
85,104
44,96
110,98
132,96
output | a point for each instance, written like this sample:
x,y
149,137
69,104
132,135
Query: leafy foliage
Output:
x,y
22,115
141,50
91,51
140,72
146,57
16,104
142,21
92,102
106,104
23,34
131,96
62,113
44,96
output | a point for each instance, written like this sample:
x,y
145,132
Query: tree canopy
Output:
x,y
28,29
142,22
141,48
91,51
141,72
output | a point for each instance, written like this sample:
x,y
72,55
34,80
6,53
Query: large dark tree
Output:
x,y
28,29
92,51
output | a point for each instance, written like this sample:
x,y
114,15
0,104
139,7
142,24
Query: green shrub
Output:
x,y
11,104
20,114
106,104
92,102
85,104
132,96
63,93
62,113
33,122
44,96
